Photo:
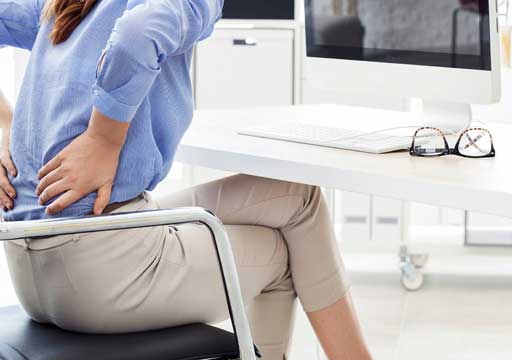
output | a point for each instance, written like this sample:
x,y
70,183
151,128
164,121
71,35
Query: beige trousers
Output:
x,y
140,279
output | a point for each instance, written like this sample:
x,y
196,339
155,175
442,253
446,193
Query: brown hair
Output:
x,y
68,14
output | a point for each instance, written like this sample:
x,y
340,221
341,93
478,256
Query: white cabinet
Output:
x,y
386,218
485,229
245,67
243,64
355,210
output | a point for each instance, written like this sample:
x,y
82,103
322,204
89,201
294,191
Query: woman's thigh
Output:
x,y
244,199
261,259
298,211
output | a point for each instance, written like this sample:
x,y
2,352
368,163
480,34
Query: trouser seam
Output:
x,y
262,266
329,277
29,241
259,203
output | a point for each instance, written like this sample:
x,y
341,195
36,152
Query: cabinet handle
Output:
x,y
245,42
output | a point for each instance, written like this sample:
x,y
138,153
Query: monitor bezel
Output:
x,y
464,85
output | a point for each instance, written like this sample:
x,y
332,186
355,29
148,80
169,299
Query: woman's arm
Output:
x,y
19,22
5,113
7,191
87,164
147,34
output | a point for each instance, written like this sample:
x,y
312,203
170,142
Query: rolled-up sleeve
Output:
x,y
146,35
19,22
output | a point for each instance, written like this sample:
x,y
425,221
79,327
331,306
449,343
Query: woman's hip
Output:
x,y
72,280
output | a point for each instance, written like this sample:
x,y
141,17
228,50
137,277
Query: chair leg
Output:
x,y
232,289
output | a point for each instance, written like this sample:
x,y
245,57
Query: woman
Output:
x,y
105,100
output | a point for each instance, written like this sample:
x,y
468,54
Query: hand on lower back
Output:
x,y
7,191
88,164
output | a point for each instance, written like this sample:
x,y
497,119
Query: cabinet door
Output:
x,y
355,210
387,217
244,67
490,230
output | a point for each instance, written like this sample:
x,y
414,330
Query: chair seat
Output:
x,y
22,339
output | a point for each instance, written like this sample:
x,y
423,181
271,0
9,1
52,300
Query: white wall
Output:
x,y
7,74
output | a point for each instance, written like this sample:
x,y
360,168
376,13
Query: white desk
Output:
x,y
483,185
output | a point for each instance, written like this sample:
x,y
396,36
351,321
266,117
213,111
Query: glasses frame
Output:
x,y
455,149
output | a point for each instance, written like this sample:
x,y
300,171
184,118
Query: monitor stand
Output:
x,y
449,116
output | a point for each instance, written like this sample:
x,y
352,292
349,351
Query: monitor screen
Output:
x,y
259,9
446,33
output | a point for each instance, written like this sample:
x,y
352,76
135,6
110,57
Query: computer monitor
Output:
x,y
445,52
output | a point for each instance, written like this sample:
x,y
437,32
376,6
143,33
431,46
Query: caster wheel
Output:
x,y
412,281
419,260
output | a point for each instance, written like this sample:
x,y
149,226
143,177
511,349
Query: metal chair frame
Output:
x,y
34,229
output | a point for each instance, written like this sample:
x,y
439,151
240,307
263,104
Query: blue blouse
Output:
x,y
146,47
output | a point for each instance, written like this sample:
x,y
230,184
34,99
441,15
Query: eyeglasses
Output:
x,y
472,143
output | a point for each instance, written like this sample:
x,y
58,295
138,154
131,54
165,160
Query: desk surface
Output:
x,y
483,185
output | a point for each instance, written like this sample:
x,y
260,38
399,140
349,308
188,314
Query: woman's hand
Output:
x,y
7,191
88,164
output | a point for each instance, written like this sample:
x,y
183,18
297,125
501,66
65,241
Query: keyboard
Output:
x,y
370,142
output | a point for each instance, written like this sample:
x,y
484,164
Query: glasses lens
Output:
x,y
429,142
475,143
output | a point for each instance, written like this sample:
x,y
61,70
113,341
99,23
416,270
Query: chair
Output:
x,y
24,339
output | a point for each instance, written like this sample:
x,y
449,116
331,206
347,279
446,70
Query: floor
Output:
x,y
450,318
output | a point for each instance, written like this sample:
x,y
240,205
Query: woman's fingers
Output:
x,y
5,184
103,198
48,180
63,201
5,200
52,191
7,191
8,163
49,167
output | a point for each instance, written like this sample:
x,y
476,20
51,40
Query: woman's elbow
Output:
x,y
132,42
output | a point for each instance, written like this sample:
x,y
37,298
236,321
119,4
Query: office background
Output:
x,y
467,278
